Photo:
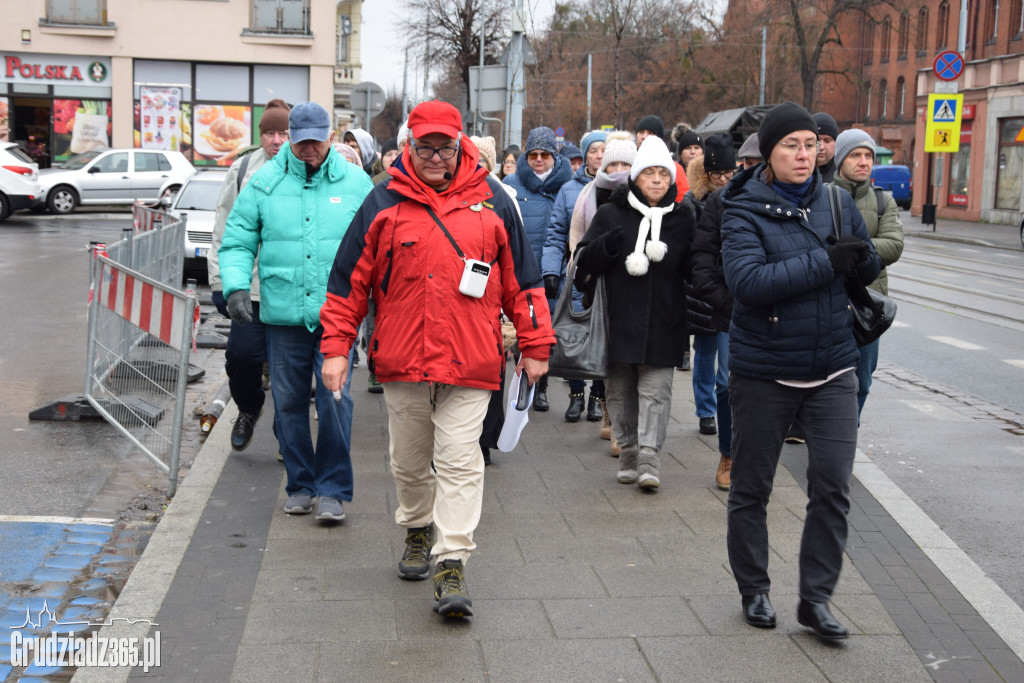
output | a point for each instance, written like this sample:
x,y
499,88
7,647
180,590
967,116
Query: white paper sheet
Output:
x,y
515,420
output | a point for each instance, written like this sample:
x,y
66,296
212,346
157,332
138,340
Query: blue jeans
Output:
x,y
865,367
764,410
722,395
295,357
705,382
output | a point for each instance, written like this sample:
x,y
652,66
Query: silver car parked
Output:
x,y
113,176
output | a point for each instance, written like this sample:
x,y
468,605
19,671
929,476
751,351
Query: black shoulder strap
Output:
x,y
837,209
447,234
880,198
241,172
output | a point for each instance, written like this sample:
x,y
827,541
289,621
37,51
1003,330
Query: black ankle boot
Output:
x,y
540,395
594,412
575,409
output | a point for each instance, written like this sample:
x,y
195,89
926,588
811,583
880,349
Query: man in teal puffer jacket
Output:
x,y
293,213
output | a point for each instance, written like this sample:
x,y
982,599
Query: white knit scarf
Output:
x,y
655,250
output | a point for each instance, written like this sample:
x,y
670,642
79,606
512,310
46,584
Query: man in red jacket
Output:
x,y
442,249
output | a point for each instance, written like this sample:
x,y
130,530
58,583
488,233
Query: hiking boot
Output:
x,y
329,510
299,504
575,410
373,386
241,433
451,597
707,425
722,477
595,411
415,562
606,421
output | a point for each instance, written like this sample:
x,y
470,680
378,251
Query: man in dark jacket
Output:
x,y
439,242
828,131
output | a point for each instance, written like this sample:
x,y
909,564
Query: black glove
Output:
x,y
614,241
220,303
551,286
845,252
240,307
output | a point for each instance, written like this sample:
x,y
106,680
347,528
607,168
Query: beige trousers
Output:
x,y
438,423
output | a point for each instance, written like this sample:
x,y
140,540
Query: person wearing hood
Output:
x,y
362,141
709,172
574,154
828,131
437,376
855,157
638,243
540,174
388,154
554,259
792,356
296,248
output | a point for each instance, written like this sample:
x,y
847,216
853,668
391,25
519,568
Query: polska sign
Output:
x,y
56,69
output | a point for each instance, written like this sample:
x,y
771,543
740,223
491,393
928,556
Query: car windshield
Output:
x,y
199,196
80,160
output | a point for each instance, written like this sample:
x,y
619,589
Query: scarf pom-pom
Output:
x,y
636,264
656,250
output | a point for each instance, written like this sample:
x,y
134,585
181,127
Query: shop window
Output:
x,y
163,74
869,43
886,37
921,43
901,94
290,83
959,176
1010,165
903,39
222,83
280,16
88,12
942,26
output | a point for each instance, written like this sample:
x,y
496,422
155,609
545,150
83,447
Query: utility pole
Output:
x,y
961,34
405,84
516,79
590,83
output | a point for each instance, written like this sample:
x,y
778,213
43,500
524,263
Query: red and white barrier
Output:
x,y
151,309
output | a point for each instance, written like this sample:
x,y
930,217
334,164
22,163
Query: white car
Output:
x,y
113,176
197,202
19,180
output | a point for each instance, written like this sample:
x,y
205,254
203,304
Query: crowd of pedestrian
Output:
x,y
722,246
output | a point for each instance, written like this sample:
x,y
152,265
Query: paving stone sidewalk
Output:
x,y
576,577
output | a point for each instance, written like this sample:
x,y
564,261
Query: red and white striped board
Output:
x,y
160,313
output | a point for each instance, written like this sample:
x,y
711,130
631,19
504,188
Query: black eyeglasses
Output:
x,y
428,153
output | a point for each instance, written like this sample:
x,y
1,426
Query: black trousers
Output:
x,y
243,359
762,411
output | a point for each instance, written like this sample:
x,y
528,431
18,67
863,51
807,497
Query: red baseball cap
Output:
x,y
435,117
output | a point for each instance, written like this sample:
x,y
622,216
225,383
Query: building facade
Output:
x,y
161,74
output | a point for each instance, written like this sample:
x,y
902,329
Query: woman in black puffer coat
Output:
x,y
638,241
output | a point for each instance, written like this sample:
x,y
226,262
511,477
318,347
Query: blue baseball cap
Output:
x,y
309,121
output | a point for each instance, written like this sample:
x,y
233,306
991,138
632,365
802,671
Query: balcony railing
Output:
x,y
77,12
289,17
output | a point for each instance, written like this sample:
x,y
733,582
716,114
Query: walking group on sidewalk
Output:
x,y
444,258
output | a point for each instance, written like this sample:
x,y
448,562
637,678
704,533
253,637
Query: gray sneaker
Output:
x,y
415,562
329,510
299,504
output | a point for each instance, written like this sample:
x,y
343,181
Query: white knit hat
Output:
x,y
652,152
618,146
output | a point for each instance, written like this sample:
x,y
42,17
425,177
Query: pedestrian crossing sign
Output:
x,y
942,125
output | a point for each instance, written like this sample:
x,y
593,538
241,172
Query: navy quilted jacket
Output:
x,y
536,198
791,315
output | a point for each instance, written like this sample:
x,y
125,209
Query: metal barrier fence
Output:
x,y
141,327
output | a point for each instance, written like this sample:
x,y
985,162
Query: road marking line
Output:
x,y
939,412
1011,361
958,343
56,520
997,608
900,323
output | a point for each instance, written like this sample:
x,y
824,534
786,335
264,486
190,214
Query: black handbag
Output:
x,y
873,312
581,339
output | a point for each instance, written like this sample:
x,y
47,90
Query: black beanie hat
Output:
x,y
653,124
780,121
826,124
719,154
688,138
389,145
